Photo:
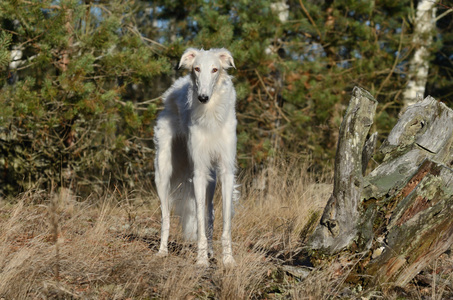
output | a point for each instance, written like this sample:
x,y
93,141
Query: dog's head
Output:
x,y
206,67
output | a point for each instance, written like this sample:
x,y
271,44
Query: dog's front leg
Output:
x,y
200,182
210,212
227,195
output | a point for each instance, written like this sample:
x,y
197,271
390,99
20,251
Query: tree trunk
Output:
x,y
424,25
339,221
401,212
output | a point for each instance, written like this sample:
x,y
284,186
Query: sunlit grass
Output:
x,y
59,246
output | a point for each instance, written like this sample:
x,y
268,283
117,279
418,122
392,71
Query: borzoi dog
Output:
x,y
195,138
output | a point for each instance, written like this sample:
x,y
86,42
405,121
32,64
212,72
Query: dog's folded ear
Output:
x,y
188,57
226,59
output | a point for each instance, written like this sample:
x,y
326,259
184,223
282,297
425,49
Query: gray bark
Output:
x,y
417,230
425,130
338,224
401,212
368,151
410,195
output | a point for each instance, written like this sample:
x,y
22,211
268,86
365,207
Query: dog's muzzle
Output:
x,y
203,98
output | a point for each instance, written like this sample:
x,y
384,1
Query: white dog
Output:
x,y
195,138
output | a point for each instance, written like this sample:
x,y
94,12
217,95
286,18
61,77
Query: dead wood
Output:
x,y
400,213
338,226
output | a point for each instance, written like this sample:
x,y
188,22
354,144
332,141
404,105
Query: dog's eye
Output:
x,y
197,69
214,70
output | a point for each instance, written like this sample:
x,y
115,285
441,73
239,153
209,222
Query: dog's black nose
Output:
x,y
203,98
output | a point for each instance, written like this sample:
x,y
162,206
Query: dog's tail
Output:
x,y
189,220
236,192
236,195
185,208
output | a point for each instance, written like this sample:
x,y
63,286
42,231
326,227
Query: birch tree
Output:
x,y
419,64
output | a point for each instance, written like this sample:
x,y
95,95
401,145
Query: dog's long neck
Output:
x,y
217,109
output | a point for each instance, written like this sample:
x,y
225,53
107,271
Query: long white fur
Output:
x,y
195,138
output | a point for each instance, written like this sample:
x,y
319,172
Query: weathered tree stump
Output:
x,y
338,225
401,213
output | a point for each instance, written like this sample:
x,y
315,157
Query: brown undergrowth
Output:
x,y
56,246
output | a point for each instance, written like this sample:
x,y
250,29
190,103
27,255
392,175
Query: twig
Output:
x,y
443,14
149,101
309,18
441,4
394,63
137,32
263,84
270,96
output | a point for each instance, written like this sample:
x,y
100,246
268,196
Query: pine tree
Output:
x,y
82,80
294,77
66,116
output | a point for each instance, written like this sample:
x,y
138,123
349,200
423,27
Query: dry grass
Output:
x,y
57,246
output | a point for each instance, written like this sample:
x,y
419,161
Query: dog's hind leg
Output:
x,y
188,211
163,188
163,169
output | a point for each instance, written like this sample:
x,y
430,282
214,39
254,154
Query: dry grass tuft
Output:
x,y
53,245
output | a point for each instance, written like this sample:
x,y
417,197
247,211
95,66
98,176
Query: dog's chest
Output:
x,y
211,116
209,145
212,133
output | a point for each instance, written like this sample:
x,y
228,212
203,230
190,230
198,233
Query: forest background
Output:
x,y
81,80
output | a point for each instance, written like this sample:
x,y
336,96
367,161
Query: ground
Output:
x,y
58,246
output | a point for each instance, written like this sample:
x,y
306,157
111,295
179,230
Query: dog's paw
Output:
x,y
203,262
162,253
228,261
